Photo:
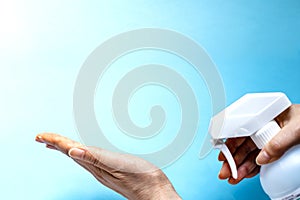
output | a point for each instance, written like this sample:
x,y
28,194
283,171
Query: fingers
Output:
x,y
63,144
51,147
288,137
254,172
225,172
232,144
57,142
96,157
111,161
244,153
247,169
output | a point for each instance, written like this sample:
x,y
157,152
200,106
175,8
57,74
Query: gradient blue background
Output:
x,y
254,44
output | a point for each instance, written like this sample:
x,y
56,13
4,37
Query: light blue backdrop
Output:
x,y
255,45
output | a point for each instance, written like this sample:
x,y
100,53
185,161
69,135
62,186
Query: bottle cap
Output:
x,y
265,134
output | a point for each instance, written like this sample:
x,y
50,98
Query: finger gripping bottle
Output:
x,y
253,115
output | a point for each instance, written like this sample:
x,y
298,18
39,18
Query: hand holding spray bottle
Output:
x,y
253,115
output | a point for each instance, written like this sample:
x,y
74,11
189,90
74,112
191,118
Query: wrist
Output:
x,y
165,192
163,189
159,188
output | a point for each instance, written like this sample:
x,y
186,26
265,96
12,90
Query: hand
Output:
x,y
288,137
244,152
128,175
247,156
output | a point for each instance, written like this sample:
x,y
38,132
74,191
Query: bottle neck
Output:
x,y
265,134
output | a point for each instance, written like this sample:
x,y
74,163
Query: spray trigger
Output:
x,y
219,144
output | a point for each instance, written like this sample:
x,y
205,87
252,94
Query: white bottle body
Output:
x,y
281,179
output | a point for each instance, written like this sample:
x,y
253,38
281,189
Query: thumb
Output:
x,y
282,142
97,157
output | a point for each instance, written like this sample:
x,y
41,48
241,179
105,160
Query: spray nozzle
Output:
x,y
251,115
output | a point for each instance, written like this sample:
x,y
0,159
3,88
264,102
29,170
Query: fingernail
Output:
x,y
263,158
39,139
76,153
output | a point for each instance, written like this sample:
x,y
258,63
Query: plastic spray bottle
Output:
x,y
253,115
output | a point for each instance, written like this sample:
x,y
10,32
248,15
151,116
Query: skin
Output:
x,y
249,158
136,178
132,177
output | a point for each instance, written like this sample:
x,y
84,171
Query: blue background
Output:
x,y
254,44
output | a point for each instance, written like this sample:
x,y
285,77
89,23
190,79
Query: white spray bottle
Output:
x,y
253,115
